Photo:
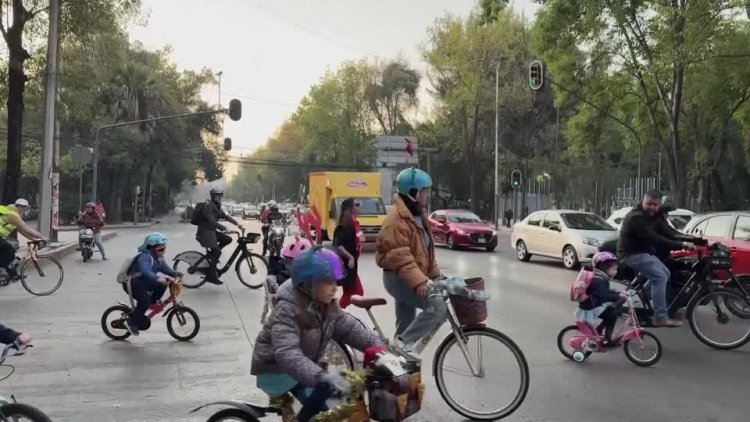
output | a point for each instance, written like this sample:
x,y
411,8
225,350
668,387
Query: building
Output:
x,y
391,159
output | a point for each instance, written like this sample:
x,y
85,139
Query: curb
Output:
x,y
112,227
71,247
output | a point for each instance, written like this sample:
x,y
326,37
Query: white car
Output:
x,y
573,236
677,218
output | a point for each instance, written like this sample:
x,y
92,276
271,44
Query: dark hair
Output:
x,y
653,194
412,205
345,217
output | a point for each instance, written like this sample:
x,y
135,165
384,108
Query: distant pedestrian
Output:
x,y
100,209
347,240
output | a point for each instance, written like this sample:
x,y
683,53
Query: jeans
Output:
x,y
7,253
657,274
98,243
409,328
313,403
144,294
215,253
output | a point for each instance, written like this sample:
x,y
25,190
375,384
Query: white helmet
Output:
x,y
22,202
271,204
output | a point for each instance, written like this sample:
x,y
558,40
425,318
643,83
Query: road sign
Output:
x,y
82,155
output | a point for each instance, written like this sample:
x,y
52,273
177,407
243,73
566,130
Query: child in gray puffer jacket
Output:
x,y
305,319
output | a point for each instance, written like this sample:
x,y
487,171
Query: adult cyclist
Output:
x,y
269,215
11,219
405,250
211,234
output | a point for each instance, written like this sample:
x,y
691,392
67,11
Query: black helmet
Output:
x,y
217,190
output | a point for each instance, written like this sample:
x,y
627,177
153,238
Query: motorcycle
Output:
x,y
86,240
276,235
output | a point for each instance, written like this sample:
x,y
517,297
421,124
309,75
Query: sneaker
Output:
x,y
666,322
104,258
132,328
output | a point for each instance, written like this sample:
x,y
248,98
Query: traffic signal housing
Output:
x,y
235,109
227,144
536,75
515,179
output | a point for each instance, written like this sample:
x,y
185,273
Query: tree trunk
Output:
x,y
147,202
17,56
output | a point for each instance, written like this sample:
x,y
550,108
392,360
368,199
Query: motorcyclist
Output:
x,y
269,215
94,221
640,239
11,219
211,234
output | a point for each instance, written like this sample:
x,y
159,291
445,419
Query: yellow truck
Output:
x,y
328,189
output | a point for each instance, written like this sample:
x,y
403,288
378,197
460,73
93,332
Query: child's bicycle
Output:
x,y
178,316
10,410
586,340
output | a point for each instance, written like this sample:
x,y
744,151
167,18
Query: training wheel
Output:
x,y
579,357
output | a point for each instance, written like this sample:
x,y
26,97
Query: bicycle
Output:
x,y
43,264
464,328
196,262
10,409
700,290
589,340
177,312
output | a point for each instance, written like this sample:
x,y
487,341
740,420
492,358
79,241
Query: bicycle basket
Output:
x,y
470,312
252,237
176,288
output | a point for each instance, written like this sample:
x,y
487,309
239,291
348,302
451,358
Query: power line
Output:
x,y
260,100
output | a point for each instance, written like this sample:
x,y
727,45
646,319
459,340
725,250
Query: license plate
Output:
x,y
481,240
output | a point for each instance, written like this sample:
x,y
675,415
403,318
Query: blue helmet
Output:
x,y
316,265
412,178
155,238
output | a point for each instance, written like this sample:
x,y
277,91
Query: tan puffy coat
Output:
x,y
400,248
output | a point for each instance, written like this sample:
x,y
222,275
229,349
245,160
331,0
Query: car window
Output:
x,y
618,220
700,227
583,221
679,221
535,219
719,226
463,217
550,219
742,230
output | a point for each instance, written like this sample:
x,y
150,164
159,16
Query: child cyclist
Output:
x,y
306,317
147,287
281,267
602,303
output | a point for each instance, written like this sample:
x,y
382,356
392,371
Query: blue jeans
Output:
x,y
313,403
409,326
144,294
657,274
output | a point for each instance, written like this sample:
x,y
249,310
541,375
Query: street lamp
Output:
x,y
219,73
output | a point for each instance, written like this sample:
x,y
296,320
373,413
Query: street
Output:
x,y
76,373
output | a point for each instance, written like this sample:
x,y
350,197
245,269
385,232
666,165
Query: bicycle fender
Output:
x,y
190,257
234,403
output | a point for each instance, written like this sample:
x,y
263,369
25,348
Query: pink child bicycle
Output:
x,y
578,342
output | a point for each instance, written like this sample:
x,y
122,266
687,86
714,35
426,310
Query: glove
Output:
x,y
336,382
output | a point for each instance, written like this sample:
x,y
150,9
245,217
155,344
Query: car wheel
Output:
x,y
450,242
521,252
570,258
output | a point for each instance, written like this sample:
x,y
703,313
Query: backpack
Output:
x,y
580,285
125,275
197,216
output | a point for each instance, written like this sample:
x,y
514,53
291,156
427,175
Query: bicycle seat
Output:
x,y
367,302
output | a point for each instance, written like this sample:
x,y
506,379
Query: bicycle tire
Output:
x,y
26,264
732,306
690,314
232,414
170,320
14,410
561,336
344,352
659,349
187,280
246,259
105,327
437,365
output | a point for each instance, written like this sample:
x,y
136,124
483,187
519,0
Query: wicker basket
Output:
x,y
470,312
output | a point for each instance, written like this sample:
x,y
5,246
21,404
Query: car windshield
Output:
x,y
368,206
581,221
463,217
679,221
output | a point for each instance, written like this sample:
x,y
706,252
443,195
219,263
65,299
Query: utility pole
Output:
x,y
497,144
219,73
49,177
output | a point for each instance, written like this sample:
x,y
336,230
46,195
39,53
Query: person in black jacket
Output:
x,y
602,302
9,335
640,241
211,234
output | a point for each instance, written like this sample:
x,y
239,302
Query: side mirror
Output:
x,y
227,144
555,227
235,109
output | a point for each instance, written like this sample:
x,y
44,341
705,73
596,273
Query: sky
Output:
x,y
270,52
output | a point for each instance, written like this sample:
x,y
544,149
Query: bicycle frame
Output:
x,y
161,308
630,330
241,248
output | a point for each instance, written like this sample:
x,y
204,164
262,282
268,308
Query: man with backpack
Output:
x,y
211,234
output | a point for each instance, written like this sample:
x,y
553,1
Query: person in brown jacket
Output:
x,y
406,252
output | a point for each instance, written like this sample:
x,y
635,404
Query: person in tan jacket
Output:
x,y
405,250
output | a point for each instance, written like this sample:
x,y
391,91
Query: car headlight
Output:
x,y
591,241
494,233
461,232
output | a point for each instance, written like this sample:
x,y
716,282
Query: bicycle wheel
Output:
x,y
195,277
252,270
187,322
712,308
115,328
630,347
43,276
475,339
740,308
338,358
563,342
22,412
232,415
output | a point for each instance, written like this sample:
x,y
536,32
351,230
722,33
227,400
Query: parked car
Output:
x,y
251,213
677,218
731,228
573,236
462,228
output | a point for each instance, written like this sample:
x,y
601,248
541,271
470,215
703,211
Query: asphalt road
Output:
x,y
75,373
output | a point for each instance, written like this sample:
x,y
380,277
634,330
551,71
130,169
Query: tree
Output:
x,y
391,93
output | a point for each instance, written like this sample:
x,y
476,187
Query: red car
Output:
x,y
731,228
457,228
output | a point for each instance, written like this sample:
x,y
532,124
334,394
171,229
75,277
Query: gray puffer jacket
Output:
x,y
284,347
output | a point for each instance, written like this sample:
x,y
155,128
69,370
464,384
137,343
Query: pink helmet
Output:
x,y
602,257
296,247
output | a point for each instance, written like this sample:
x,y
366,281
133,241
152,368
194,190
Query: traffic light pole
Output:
x,y
497,145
